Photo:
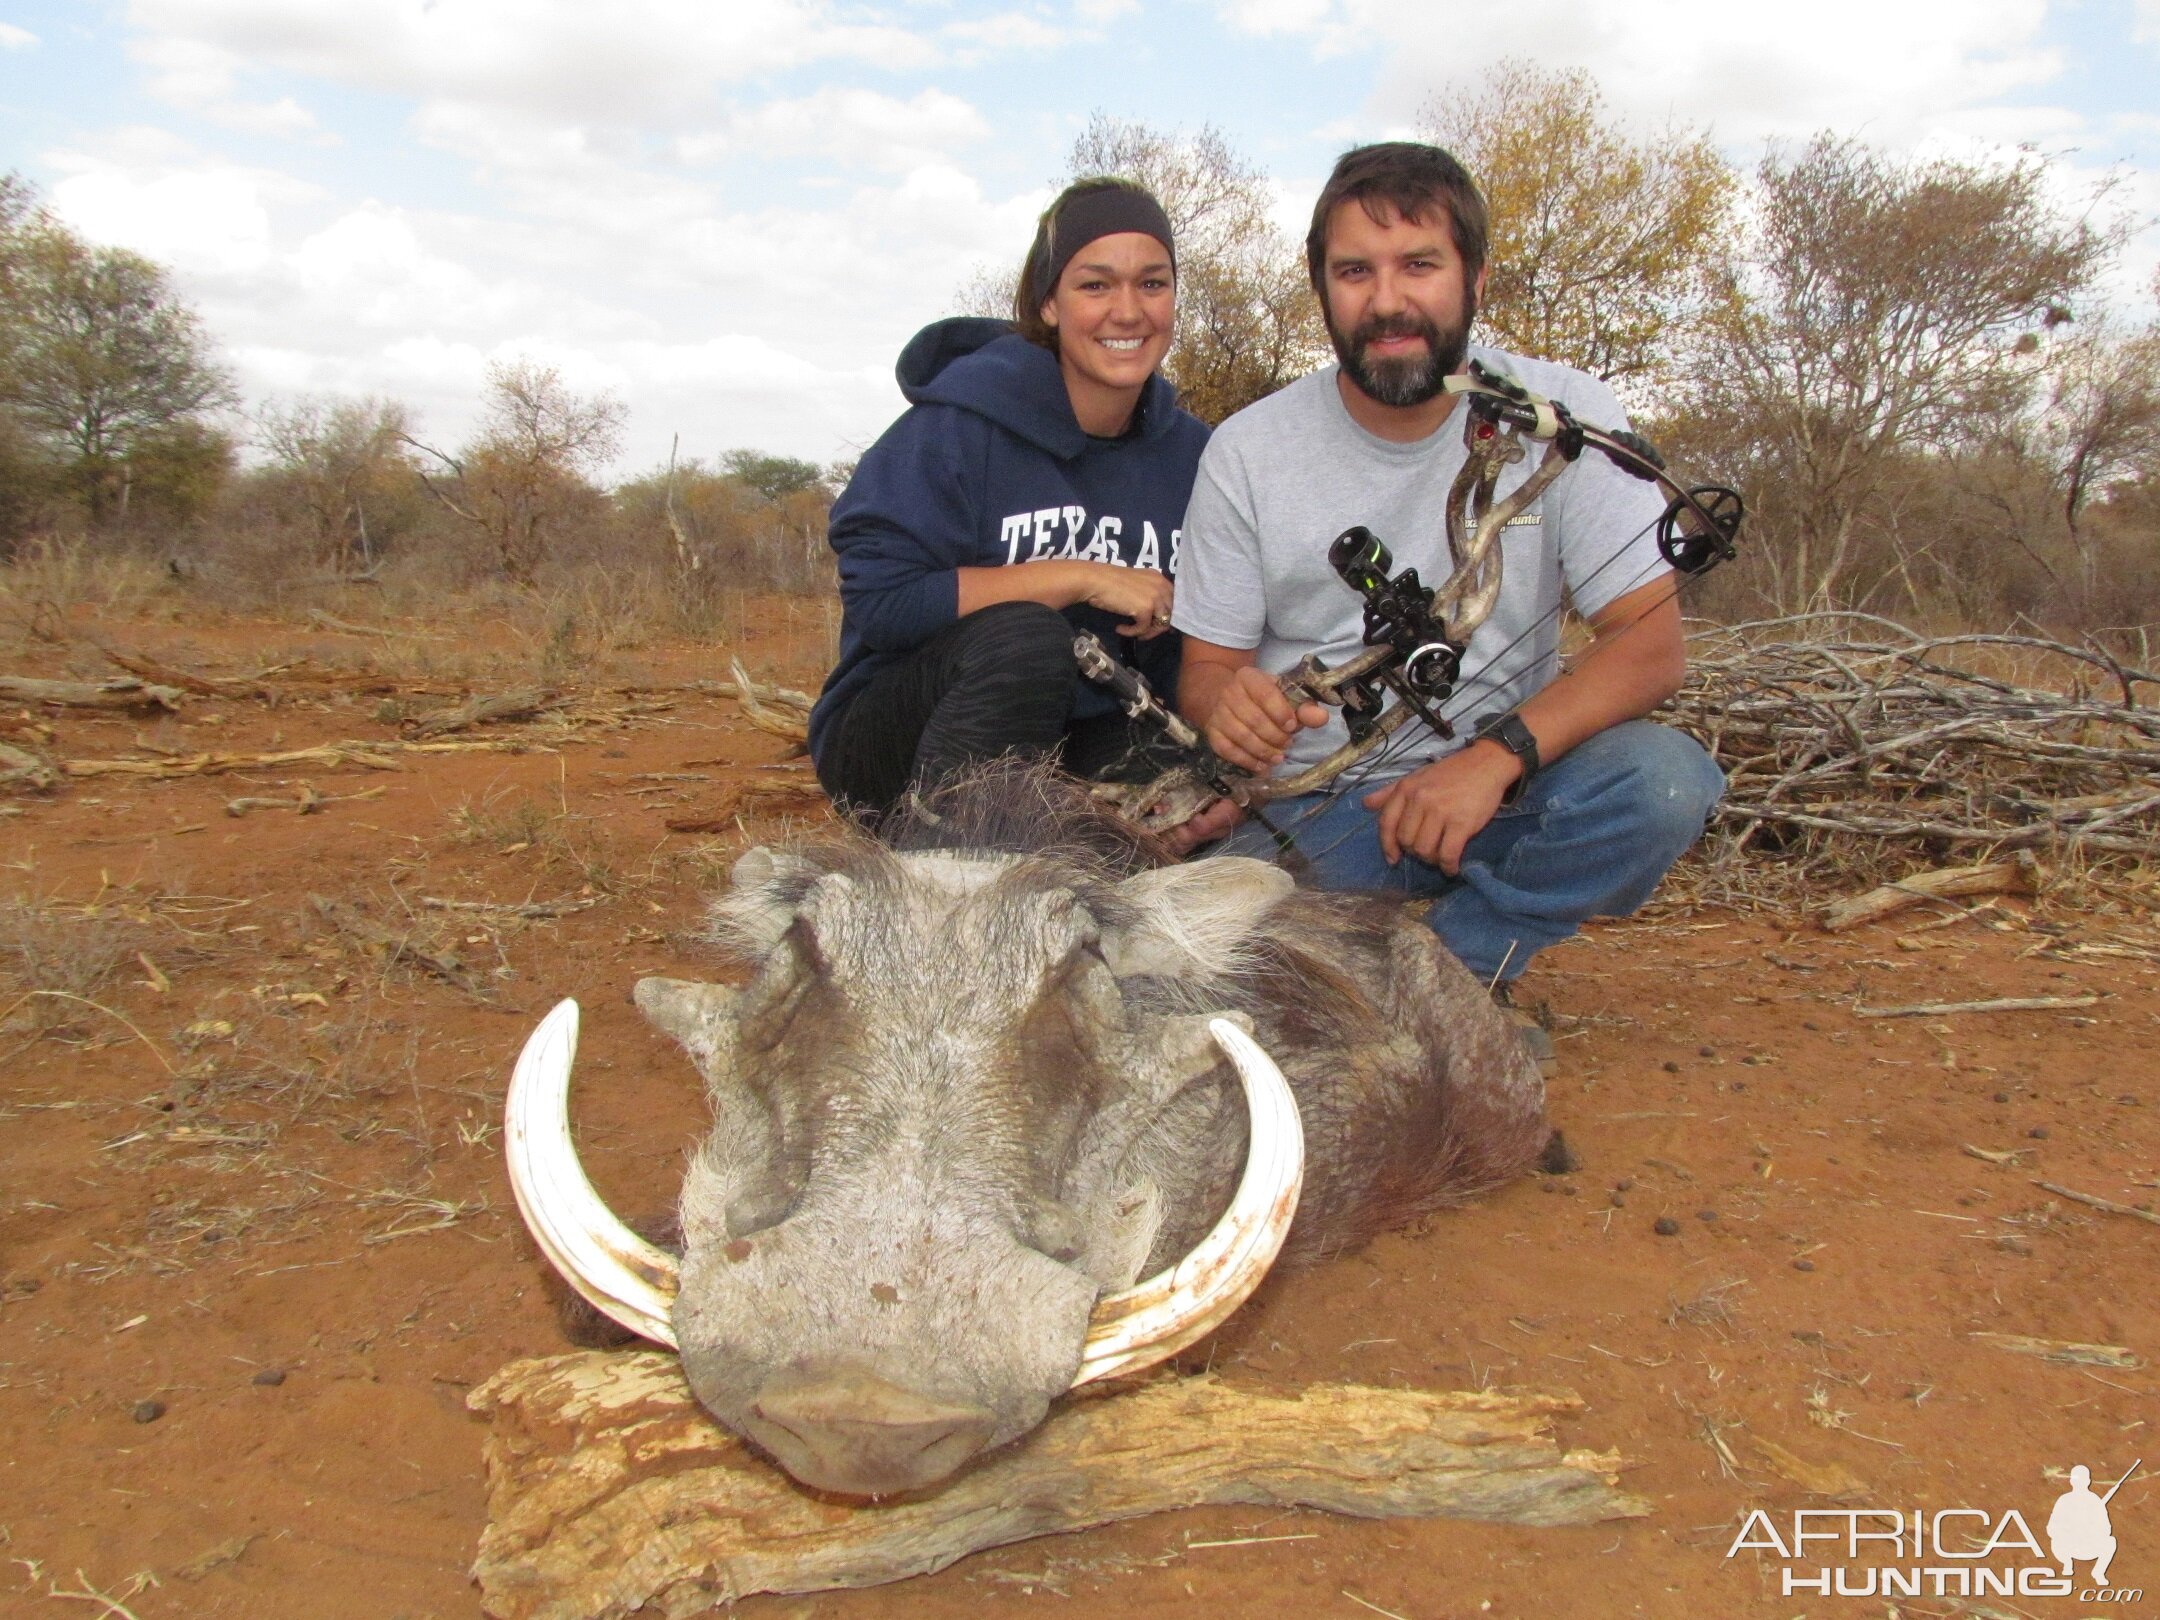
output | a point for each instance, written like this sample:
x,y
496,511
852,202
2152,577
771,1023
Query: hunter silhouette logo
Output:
x,y
2079,1526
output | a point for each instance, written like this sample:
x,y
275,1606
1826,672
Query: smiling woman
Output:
x,y
1036,488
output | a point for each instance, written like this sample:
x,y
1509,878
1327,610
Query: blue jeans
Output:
x,y
1591,836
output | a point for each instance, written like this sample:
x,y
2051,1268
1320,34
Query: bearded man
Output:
x,y
1557,801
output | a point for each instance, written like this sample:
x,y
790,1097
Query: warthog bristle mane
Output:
x,y
1019,807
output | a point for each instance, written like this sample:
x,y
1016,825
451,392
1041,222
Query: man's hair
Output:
x,y
1029,294
1408,179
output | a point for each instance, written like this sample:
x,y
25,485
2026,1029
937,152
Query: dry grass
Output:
x,y
54,960
50,581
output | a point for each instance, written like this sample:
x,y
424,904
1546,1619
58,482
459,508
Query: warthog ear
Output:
x,y
1192,919
765,891
700,1016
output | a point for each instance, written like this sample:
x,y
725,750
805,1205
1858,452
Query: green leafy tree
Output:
x,y
772,477
1600,244
109,369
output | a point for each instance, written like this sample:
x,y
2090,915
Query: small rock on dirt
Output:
x,y
2038,1133
1666,1226
270,1377
1803,1265
147,1411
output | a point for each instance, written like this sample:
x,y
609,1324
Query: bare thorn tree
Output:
x,y
527,469
344,461
1882,308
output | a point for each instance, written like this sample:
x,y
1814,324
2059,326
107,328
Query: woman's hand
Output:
x,y
1139,596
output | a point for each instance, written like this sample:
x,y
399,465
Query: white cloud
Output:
x,y
1095,13
2145,28
1277,16
773,326
647,61
1008,31
202,78
858,127
147,194
1885,71
15,39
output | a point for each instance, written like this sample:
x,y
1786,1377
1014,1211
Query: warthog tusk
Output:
x,y
622,1275
1153,1320
617,1271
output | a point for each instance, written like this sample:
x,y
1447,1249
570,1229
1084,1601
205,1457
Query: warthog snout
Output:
x,y
840,1427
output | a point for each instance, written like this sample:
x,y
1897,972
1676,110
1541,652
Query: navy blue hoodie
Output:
x,y
990,468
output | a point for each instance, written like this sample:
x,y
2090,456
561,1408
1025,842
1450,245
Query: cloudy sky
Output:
x,y
732,213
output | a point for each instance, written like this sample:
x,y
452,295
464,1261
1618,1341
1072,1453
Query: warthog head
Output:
x,y
964,1101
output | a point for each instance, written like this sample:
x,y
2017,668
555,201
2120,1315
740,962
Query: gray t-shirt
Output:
x,y
1282,478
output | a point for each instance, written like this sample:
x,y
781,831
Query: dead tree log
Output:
x,y
2019,875
610,1492
120,692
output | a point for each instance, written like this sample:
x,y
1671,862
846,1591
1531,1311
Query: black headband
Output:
x,y
1095,214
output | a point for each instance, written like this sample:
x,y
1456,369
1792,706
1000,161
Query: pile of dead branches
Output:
x,y
1858,750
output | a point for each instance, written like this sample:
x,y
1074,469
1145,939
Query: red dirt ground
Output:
x,y
260,1186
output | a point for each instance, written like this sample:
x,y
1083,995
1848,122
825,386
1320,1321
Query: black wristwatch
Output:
x,y
1510,733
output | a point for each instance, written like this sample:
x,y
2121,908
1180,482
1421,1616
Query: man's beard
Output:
x,y
1414,379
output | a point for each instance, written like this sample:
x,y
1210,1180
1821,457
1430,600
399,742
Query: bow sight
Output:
x,y
1416,635
1399,616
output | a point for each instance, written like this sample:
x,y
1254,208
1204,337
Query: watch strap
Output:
x,y
1509,732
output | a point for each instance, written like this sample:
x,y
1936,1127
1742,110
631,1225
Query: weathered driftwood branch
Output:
x,y
1945,1009
486,709
372,756
512,908
307,801
758,707
2092,1201
120,692
2018,876
369,757
150,669
2067,1351
324,621
611,1493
